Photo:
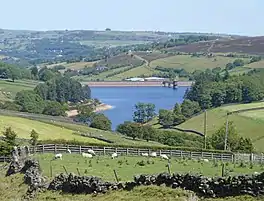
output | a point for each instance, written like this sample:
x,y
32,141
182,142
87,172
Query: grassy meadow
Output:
x,y
249,124
14,87
128,166
23,127
190,63
12,188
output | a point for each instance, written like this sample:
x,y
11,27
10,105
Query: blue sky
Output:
x,y
243,17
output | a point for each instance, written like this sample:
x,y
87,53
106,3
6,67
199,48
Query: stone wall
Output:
x,y
202,186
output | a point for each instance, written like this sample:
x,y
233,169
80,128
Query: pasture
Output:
x,y
14,87
72,66
23,127
111,43
12,188
129,166
248,124
190,63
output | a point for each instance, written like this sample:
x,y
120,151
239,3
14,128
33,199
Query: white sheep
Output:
x,y
206,160
114,155
58,156
86,155
145,154
256,173
69,151
153,154
90,151
163,156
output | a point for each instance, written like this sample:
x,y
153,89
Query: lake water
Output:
x,y
124,99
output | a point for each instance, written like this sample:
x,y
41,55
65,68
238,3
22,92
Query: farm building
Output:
x,y
154,79
135,79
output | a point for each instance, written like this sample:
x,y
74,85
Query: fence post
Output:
x,y
190,154
43,148
80,149
116,150
138,152
232,158
181,154
212,155
202,155
104,150
55,148
148,151
261,158
127,151
159,152
170,153
222,157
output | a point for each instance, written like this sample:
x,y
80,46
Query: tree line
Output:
x,y
49,98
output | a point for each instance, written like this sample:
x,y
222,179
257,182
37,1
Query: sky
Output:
x,y
243,17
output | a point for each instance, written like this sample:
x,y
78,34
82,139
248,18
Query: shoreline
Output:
x,y
99,108
133,84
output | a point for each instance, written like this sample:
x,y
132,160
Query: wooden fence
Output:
x,y
101,150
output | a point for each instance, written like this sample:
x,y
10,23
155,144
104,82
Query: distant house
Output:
x,y
101,68
154,79
135,79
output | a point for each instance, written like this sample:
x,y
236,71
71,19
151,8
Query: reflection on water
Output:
x,y
124,99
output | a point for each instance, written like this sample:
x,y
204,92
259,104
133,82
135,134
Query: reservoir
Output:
x,y
123,100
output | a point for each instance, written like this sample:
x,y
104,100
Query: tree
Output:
x,y
148,132
100,121
85,114
34,71
166,118
10,136
130,129
34,137
42,90
177,109
189,108
54,108
30,102
245,145
239,62
144,112
218,138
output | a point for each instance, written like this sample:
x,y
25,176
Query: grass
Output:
x,y
112,43
117,138
249,124
23,127
12,188
127,166
191,64
135,72
14,87
72,66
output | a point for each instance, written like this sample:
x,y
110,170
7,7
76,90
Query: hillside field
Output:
x,y
190,63
14,87
249,124
128,166
23,127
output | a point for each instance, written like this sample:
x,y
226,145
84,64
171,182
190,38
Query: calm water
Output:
x,y
124,99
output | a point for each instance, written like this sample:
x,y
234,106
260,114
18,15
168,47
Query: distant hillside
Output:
x,y
244,45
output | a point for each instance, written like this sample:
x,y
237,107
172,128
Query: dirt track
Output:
x,y
132,84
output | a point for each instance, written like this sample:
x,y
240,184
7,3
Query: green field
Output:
x,y
116,137
23,127
111,43
12,188
127,166
14,87
190,63
249,124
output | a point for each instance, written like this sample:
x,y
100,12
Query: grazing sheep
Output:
x,y
153,154
69,151
58,156
163,156
114,155
86,155
90,151
206,160
256,173
145,154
